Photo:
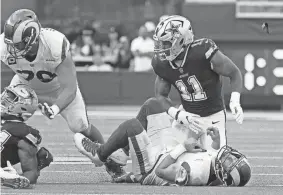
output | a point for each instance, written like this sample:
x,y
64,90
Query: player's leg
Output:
x,y
217,120
75,115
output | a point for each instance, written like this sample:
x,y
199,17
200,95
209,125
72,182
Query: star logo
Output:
x,y
174,29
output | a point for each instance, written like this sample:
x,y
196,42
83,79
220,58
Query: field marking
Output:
x,y
84,159
129,114
103,172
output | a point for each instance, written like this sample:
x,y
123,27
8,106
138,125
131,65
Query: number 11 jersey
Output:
x,y
199,86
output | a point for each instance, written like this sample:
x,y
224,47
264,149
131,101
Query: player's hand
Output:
x,y
191,120
192,145
10,169
213,132
237,112
236,108
48,111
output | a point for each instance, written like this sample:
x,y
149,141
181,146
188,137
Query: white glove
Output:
x,y
236,108
49,111
10,169
188,119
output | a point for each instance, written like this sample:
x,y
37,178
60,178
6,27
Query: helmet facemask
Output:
x,y
18,102
171,37
225,165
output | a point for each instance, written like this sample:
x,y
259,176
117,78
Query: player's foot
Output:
x,y
127,178
88,148
120,157
14,180
44,158
114,169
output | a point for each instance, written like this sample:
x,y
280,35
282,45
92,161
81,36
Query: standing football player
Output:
x,y
194,68
20,142
41,58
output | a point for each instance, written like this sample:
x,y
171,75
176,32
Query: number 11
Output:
x,y
197,95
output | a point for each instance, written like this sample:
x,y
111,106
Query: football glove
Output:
x,y
236,108
188,119
49,111
10,169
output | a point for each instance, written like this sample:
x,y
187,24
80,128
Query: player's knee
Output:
x,y
153,106
133,127
79,125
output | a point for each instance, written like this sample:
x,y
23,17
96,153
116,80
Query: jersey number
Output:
x,y
4,137
197,95
42,75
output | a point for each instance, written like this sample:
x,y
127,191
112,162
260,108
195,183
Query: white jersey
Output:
x,y
200,164
40,74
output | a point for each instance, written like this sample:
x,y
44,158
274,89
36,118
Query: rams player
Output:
x,y
194,68
154,151
186,164
41,58
20,142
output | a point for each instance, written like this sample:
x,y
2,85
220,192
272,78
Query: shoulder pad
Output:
x,y
57,43
207,47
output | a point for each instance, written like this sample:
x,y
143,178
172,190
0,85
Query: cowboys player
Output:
x,y
41,58
194,68
186,164
20,142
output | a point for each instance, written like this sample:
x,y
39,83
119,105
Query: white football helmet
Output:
x,y
171,36
19,101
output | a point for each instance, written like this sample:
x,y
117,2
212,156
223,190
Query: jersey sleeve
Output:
x,y
210,48
23,131
58,44
158,67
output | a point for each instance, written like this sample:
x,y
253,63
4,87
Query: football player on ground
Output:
x,y
187,164
20,142
41,58
154,150
195,68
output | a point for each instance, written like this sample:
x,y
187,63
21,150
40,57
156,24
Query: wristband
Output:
x,y
235,97
172,111
177,151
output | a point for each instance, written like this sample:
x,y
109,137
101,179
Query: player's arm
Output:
x,y
27,155
164,170
223,65
67,77
162,90
167,169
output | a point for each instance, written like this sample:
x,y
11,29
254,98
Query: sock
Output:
x,y
119,138
93,134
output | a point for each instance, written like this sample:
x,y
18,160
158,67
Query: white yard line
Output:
x,y
272,116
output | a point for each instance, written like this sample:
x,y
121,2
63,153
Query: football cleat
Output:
x,y
44,158
127,178
88,148
114,169
13,180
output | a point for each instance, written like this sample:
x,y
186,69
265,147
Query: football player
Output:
x,y
194,68
41,58
187,164
20,142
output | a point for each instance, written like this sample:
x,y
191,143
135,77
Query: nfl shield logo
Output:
x,y
181,70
